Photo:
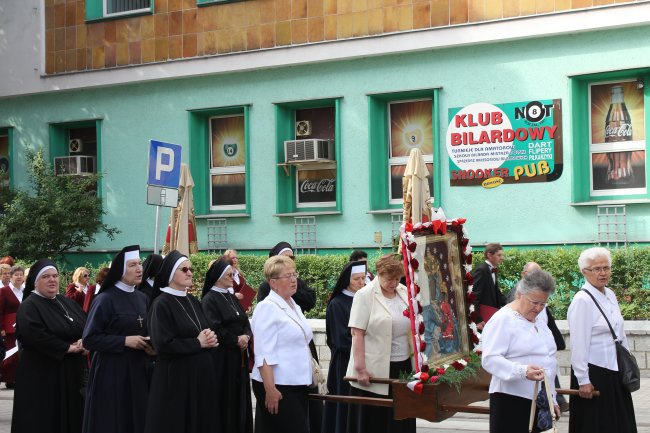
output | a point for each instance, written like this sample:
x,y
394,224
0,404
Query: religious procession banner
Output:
x,y
491,144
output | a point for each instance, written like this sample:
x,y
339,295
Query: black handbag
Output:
x,y
628,369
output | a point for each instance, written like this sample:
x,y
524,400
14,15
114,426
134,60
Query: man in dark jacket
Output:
x,y
486,285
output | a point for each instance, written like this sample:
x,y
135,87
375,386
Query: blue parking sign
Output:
x,y
164,164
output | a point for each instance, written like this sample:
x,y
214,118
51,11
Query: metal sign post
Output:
x,y
163,180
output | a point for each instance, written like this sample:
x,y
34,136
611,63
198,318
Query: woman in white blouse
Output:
x,y
381,347
283,366
593,353
518,349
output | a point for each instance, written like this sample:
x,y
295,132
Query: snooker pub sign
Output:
x,y
491,144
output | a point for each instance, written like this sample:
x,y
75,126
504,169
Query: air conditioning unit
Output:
x,y
75,145
303,128
80,165
308,150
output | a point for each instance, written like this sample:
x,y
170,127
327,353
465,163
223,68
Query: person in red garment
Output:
x,y
10,298
78,288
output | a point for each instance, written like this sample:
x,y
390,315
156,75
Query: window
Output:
x,y
100,9
308,143
410,127
609,121
75,147
227,162
219,160
398,123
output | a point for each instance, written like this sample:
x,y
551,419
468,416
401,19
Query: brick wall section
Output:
x,y
179,29
638,335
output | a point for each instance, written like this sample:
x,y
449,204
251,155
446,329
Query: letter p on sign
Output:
x,y
164,164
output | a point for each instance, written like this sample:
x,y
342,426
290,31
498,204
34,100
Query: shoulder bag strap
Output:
x,y
603,313
304,334
532,408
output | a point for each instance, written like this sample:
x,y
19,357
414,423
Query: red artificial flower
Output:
x,y
412,246
419,306
469,278
436,226
433,379
423,345
457,365
417,288
461,221
421,328
424,376
479,352
471,297
415,264
474,338
440,371
464,242
406,313
424,368
473,315
443,228
408,227
468,259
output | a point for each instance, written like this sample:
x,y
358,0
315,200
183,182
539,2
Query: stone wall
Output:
x,y
638,336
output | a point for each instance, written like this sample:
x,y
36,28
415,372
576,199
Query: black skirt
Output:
x,y
293,410
510,414
612,412
373,419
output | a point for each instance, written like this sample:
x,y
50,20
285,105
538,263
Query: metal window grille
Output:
x,y
217,234
305,234
117,6
612,225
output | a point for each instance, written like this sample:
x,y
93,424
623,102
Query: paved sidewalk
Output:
x,y
460,423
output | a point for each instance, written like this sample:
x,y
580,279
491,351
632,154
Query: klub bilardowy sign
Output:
x,y
491,144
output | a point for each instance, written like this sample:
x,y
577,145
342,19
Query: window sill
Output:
x,y
299,214
397,210
223,215
611,202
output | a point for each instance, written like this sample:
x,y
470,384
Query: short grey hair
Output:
x,y
591,254
536,280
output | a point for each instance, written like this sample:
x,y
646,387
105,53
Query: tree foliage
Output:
x,y
58,214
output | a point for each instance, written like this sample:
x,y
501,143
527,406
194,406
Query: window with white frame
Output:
x,y
410,126
227,162
617,142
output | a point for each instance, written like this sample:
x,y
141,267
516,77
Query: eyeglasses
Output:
x,y
85,275
599,270
185,269
288,276
536,304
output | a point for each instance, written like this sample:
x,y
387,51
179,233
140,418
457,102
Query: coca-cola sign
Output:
x,y
317,186
624,131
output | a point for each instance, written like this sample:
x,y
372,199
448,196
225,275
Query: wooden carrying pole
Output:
x,y
435,404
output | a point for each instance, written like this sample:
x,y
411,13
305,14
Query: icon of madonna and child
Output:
x,y
442,298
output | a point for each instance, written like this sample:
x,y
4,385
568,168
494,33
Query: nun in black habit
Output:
x,y
228,320
339,340
150,268
47,398
117,336
184,394
305,297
